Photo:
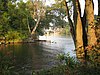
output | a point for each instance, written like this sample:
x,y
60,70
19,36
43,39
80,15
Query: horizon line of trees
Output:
x,y
21,20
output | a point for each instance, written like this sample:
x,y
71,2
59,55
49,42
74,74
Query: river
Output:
x,y
39,55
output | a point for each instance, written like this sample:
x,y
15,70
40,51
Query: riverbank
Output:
x,y
71,67
38,56
80,69
41,55
23,41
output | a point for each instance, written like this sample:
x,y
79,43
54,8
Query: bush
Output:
x,y
12,35
15,35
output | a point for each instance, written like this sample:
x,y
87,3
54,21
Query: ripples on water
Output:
x,y
35,56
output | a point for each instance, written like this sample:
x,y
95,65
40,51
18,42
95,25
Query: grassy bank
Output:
x,y
67,66
80,69
72,67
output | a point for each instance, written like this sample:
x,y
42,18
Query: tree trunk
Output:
x,y
99,8
33,33
98,25
84,34
34,29
70,22
90,21
84,30
79,33
28,26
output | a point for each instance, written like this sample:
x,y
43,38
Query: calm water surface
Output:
x,y
35,56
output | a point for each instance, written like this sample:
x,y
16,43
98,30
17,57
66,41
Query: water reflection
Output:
x,y
35,56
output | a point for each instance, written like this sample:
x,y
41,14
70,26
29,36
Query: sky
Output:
x,y
48,2
82,2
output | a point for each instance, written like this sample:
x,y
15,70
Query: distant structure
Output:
x,y
53,31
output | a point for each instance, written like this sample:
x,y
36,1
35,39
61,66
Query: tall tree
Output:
x,y
72,28
76,28
84,35
79,32
38,13
4,23
98,25
99,8
90,21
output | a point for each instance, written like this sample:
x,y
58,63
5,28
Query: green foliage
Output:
x,y
12,35
69,61
20,17
55,16
15,35
14,21
71,67
93,54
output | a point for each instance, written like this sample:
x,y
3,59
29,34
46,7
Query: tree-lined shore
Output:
x,y
24,21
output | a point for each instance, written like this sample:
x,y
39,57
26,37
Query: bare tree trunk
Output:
x,y
99,8
98,25
28,26
70,22
34,29
84,34
90,21
79,33
84,30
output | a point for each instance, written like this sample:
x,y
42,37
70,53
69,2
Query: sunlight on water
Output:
x,y
65,43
